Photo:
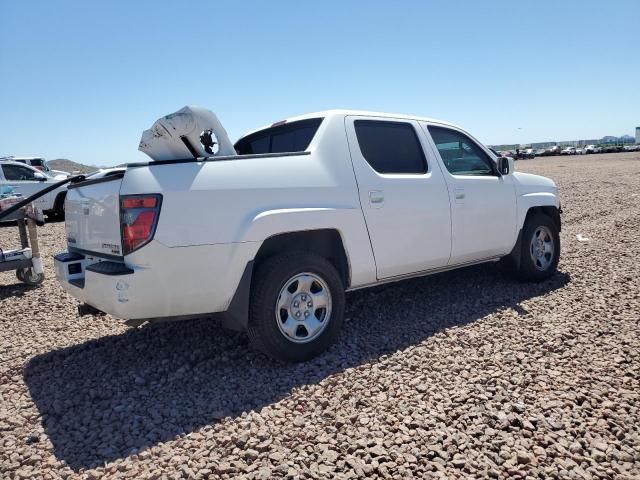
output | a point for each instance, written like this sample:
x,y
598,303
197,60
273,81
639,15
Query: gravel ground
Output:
x,y
465,374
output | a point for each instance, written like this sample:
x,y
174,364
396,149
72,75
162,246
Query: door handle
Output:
x,y
376,197
458,193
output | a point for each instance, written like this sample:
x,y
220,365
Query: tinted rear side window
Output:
x,y
390,147
290,137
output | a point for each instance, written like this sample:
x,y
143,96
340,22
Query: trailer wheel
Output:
x,y
30,277
20,274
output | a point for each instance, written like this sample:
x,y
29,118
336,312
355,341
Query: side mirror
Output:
x,y
505,165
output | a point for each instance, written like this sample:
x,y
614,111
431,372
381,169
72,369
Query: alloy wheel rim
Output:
x,y
541,248
303,308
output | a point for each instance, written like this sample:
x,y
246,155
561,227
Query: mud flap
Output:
x,y
236,317
515,257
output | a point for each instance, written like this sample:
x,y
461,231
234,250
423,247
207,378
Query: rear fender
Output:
x,y
349,223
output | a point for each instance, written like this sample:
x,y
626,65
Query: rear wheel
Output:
x,y
540,250
297,306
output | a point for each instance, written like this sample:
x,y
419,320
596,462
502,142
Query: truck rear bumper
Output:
x,y
105,285
181,282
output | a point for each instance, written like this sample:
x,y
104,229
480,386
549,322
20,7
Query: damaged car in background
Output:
x,y
271,232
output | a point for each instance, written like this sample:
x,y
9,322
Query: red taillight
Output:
x,y
139,202
138,218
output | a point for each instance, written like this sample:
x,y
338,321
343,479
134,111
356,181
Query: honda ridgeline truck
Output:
x,y
272,231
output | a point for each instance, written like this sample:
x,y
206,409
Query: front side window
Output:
x,y
289,137
390,147
460,154
16,173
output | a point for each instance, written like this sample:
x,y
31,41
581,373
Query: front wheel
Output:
x,y
297,306
59,210
540,248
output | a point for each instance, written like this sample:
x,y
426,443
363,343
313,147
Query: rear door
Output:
x,y
403,195
483,203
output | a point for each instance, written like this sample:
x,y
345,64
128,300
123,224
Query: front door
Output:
x,y
483,202
403,195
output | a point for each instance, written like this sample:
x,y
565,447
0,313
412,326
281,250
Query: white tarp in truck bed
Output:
x,y
189,132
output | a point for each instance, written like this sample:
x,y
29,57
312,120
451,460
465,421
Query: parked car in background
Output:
x,y
520,155
579,151
632,148
274,253
40,164
614,148
592,149
568,151
27,180
555,150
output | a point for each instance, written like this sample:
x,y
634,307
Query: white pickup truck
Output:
x,y
272,235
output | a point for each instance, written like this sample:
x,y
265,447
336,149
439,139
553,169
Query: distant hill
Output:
x,y
69,166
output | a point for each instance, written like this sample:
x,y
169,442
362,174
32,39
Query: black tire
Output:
x,y
30,277
269,279
20,274
530,269
58,209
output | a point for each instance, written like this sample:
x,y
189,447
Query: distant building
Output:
x,y
543,144
609,139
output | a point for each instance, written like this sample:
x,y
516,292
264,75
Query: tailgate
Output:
x,y
92,214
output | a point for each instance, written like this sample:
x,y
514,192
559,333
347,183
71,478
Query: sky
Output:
x,y
82,79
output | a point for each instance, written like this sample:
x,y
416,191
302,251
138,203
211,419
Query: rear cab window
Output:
x,y
286,138
390,147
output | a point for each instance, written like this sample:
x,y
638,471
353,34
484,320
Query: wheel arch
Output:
x,y
546,203
326,242
550,211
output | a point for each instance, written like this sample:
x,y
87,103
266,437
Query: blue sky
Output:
x,y
82,79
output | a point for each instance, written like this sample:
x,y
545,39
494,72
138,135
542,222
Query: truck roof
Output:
x,y
347,112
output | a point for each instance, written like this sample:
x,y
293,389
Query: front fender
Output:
x,y
528,201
